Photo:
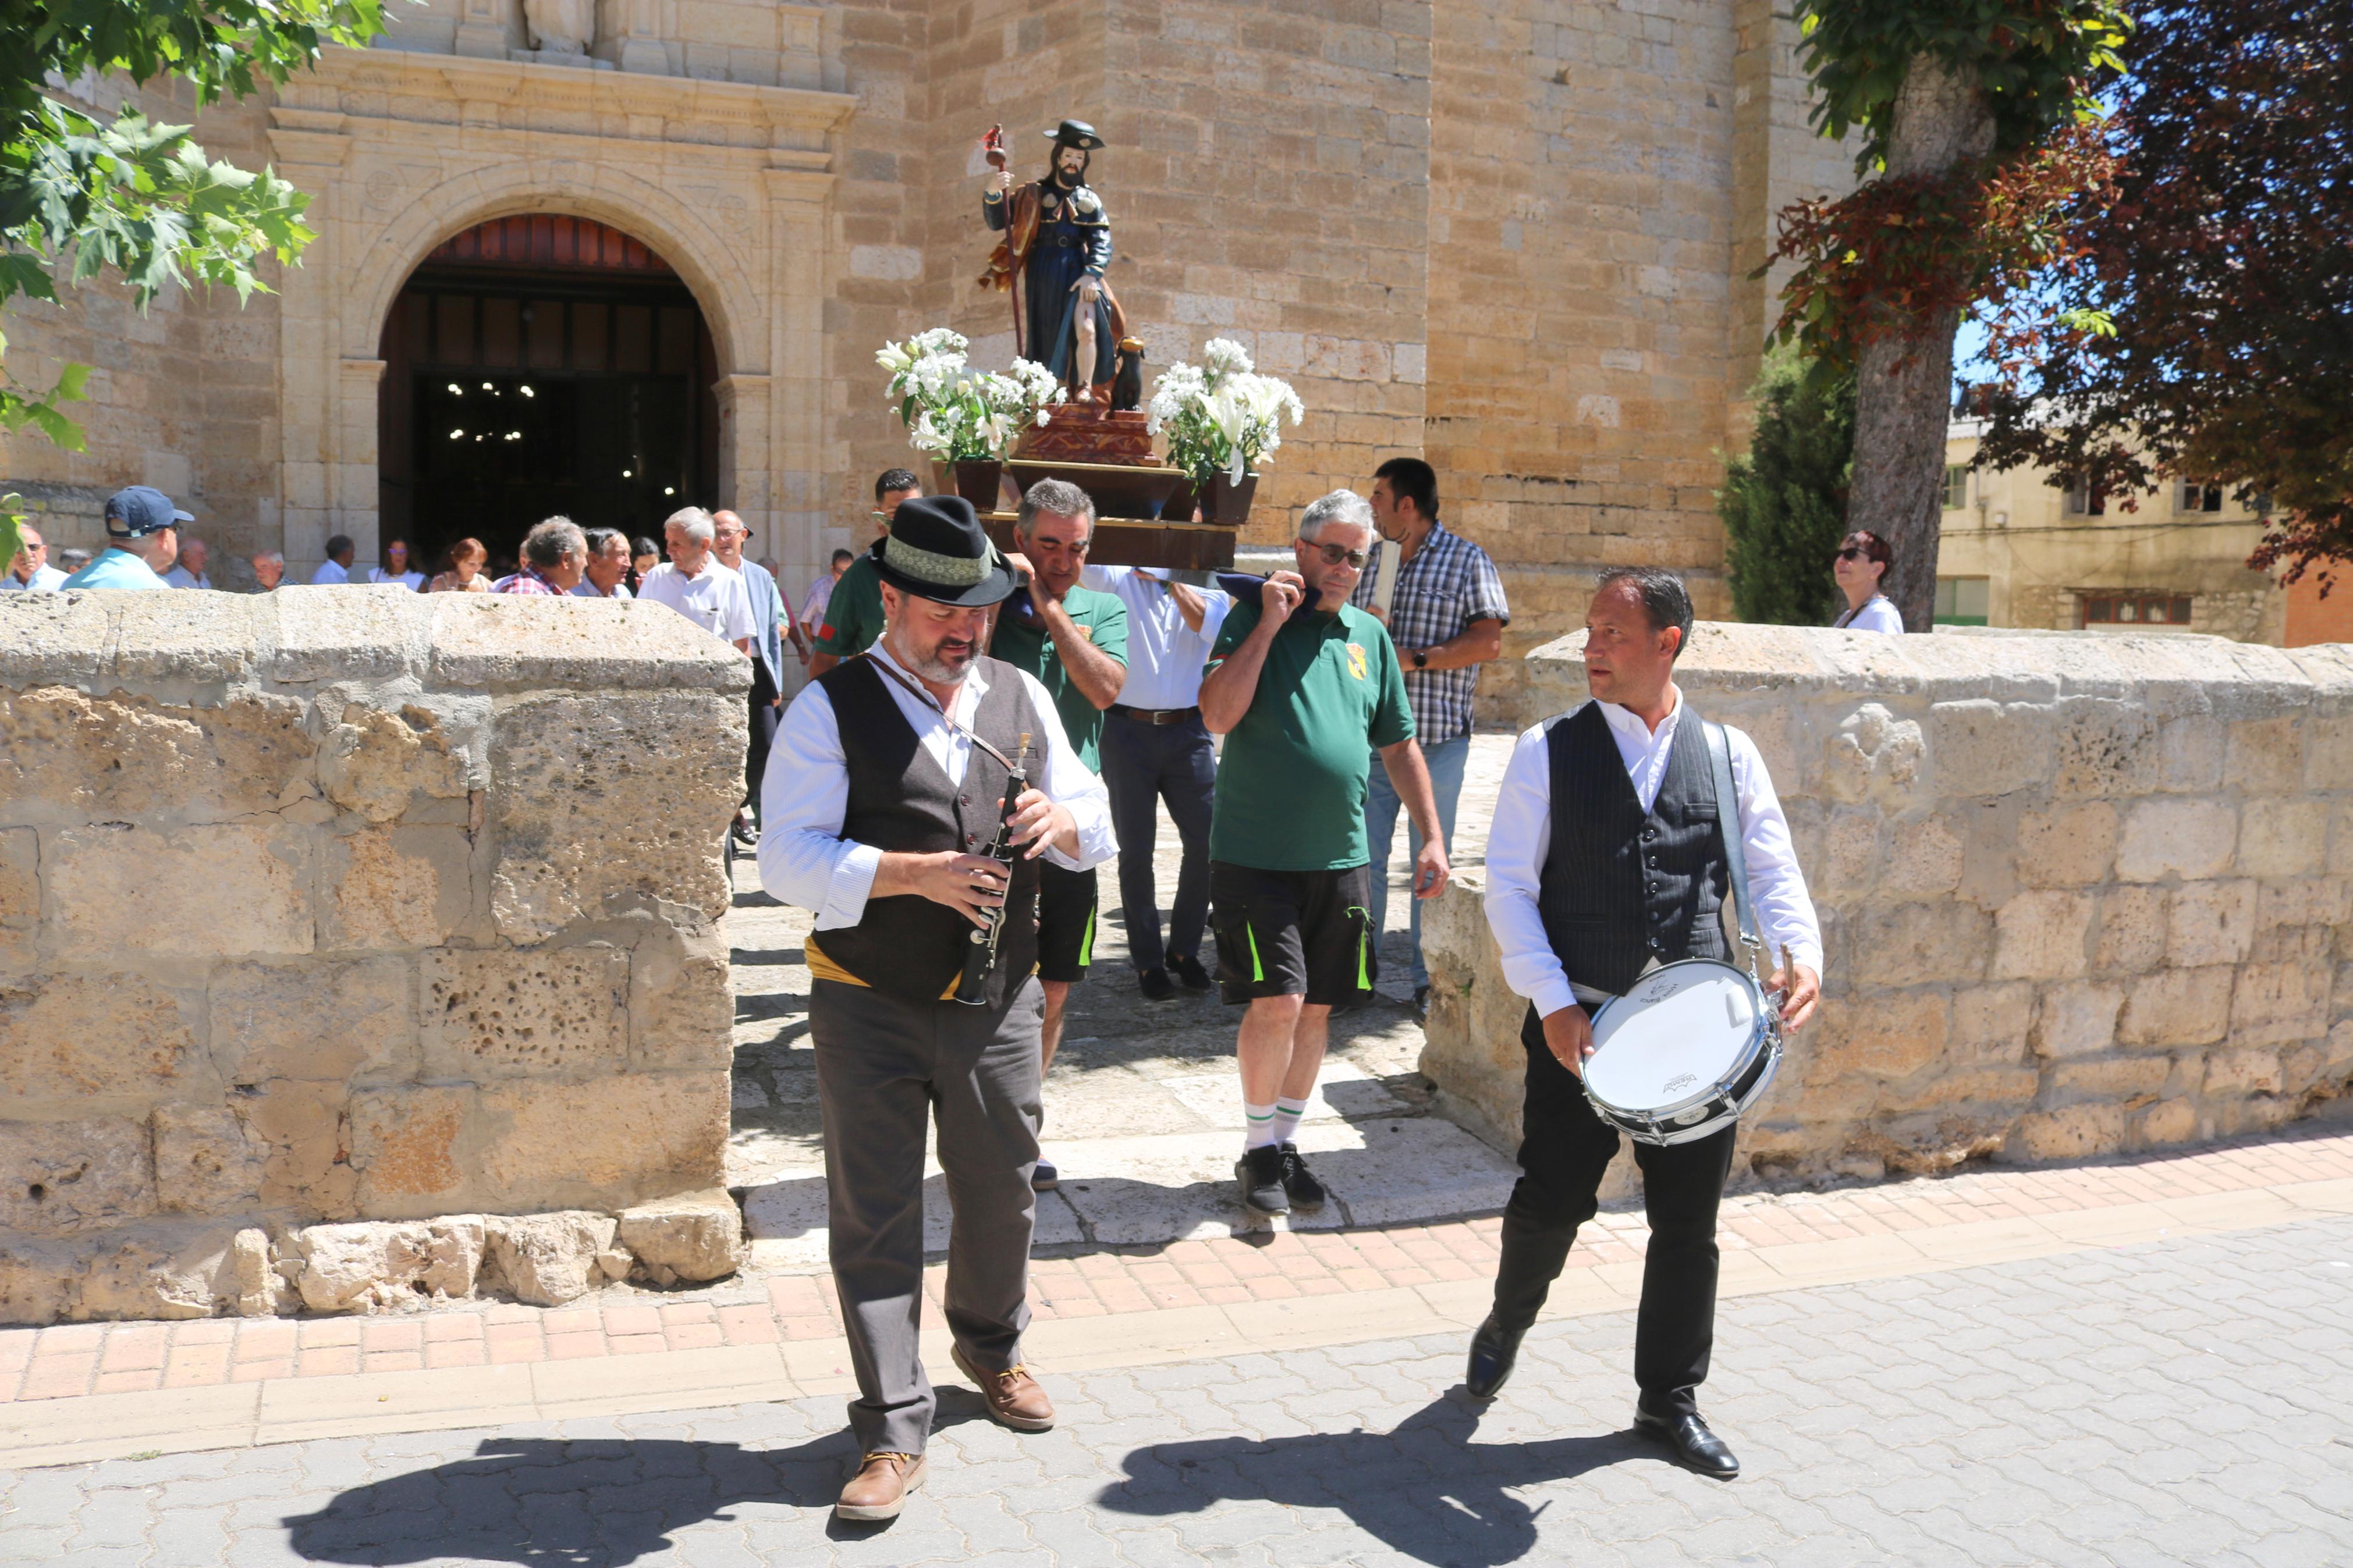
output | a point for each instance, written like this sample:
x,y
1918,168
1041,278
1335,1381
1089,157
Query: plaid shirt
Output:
x,y
527,581
1441,589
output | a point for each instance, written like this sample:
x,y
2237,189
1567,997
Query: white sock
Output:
x,y
1287,1113
1262,1126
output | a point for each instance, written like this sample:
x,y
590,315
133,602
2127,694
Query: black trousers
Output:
x,y
1143,765
765,716
1565,1147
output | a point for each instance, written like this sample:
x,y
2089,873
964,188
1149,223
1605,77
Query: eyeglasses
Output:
x,y
1333,555
1853,552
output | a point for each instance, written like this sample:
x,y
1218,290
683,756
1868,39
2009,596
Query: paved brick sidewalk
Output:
x,y
76,1360
2171,1402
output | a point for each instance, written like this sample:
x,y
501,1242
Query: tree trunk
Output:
x,y
1904,382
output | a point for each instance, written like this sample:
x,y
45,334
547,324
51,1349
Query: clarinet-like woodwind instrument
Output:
x,y
980,958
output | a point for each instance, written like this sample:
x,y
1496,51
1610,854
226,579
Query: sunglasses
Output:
x,y
1853,552
1333,555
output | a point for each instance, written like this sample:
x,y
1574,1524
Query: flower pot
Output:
x,y
1224,503
976,479
1180,505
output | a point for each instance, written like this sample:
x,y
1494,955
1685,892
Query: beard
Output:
x,y
946,664
1071,179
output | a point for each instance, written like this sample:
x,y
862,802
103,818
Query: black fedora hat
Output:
x,y
937,550
1075,133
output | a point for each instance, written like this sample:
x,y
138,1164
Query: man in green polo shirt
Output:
x,y
853,616
1303,693
1074,640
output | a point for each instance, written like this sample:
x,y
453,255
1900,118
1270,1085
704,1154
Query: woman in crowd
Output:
x,y
1862,559
393,567
644,556
465,574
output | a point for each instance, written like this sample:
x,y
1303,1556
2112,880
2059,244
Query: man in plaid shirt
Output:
x,y
1447,618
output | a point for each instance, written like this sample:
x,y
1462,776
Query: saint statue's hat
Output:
x,y
1076,133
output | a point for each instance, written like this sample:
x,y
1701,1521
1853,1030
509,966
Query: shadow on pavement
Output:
x,y
600,1503
1425,1489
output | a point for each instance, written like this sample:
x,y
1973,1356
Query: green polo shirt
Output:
x,y
1290,783
1102,619
853,616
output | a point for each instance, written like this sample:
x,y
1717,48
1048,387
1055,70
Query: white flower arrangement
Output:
x,y
955,412
1220,416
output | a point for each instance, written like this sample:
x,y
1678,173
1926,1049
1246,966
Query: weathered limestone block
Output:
x,y
69,755
374,762
1873,756
253,1281
1990,1024
2185,838
73,1035
305,1129
317,1023
1980,747
1915,944
229,889
1925,862
2071,1132
59,1177
1845,858
149,1271
2178,1007
547,1259
206,1162
2107,750
2209,922
2067,846
681,1005
2242,1071
694,1236
669,765
2282,837
2266,755
510,1013
397,887
1880,1034
2278,1003
2168,1122
660,1132
2190,754
20,897
376,1267
36,1279
2133,1080
2076,1020
406,1147
2133,923
2042,935
54,638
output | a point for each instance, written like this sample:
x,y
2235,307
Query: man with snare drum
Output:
x,y
1606,860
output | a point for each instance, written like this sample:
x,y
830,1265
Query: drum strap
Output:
x,y
1735,852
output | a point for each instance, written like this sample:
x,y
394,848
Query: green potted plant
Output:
x,y
1221,418
967,420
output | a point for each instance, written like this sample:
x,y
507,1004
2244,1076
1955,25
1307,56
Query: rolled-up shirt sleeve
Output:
x,y
1785,909
804,861
1518,839
1069,783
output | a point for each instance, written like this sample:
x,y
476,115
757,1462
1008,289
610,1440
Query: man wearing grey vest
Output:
x,y
885,791
1606,857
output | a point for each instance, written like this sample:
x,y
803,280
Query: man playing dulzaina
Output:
x,y
1299,684
886,785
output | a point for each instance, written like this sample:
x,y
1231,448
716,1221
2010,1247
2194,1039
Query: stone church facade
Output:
x,y
1512,235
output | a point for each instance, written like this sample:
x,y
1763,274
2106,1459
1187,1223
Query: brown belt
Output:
x,y
1153,715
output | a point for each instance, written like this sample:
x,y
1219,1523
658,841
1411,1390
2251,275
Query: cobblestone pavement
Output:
x,y
2170,1402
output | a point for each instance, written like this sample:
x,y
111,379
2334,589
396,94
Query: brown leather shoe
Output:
x,y
1014,1398
879,1490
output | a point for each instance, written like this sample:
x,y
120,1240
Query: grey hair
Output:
x,y
549,543
1059,496
261,556
1665,601
1340,506
697,523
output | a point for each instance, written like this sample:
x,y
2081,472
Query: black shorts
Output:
x,y
1288,933
1066,922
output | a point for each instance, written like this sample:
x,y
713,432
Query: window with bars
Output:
x,y
2136,609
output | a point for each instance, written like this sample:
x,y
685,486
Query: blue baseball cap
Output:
x,y
140,511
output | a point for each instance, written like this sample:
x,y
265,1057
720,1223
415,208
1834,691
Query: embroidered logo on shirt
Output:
x,y
1356,659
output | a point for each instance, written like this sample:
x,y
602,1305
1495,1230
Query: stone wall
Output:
x,y
2080,893
338,906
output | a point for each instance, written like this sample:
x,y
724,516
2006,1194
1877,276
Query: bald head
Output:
x,y
728,533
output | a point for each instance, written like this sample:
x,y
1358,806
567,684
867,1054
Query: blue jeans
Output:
x,y
1446,761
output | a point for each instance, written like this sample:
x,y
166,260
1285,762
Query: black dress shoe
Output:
x,y
1158,986
1190,973
1694,1445
1493,1350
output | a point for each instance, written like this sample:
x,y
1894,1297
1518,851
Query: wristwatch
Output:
x,y
1422,659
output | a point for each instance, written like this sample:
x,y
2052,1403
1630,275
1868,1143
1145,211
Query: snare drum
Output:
x,y
1683,1053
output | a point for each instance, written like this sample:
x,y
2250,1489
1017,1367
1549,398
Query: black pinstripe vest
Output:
x,y
901,800
1621,886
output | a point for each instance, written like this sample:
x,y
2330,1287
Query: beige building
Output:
x,y
607,259
2019,551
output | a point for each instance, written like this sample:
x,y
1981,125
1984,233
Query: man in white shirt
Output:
x,y
885,795
696,586
188,571
1605,859
31,568
337,567
1156,748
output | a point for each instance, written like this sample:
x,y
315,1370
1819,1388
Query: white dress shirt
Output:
x,y
714,598
1521,836
45,580
180,577
1165,656
1878,615
804,860
330,572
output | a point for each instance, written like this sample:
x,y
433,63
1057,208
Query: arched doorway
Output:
x,y
539,364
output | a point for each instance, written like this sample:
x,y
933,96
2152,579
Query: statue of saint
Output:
x,y
1057,244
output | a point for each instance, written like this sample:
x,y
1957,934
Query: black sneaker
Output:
x,y
1158,986
1045,1178
1190,973
1260,1172
1299,1183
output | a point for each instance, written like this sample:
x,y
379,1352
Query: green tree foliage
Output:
x,y
1784,504
83,197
